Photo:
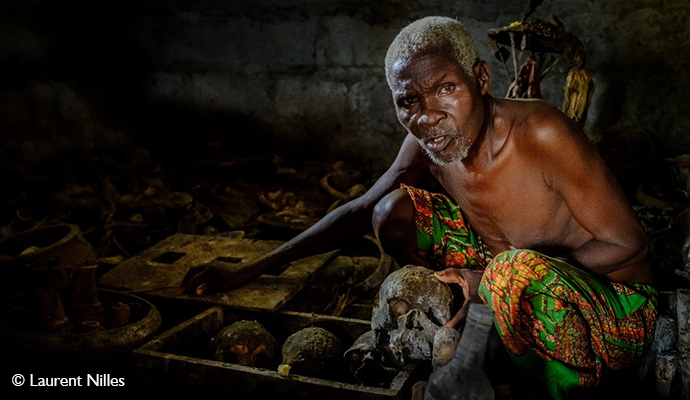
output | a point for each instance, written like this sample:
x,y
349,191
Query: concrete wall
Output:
x,y
301,77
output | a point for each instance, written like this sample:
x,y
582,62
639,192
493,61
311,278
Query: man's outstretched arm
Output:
x,y
347,222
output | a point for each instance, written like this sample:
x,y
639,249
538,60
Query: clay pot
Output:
x,y
77,347
61,244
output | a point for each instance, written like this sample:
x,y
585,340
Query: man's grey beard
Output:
x,y
457,140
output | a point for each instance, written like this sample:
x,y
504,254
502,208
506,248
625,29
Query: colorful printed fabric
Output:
x,y
559,324
564,323
443,236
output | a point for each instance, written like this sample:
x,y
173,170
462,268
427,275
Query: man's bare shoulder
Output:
x,y
539,120
541,126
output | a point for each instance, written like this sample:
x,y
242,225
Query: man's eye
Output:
x,y
407,101
447,88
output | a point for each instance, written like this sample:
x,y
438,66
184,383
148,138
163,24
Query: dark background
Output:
x,y
163,102
304,78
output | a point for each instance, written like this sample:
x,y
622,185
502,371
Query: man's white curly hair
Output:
x,y
433,33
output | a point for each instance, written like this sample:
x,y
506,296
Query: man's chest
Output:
x,y
510,206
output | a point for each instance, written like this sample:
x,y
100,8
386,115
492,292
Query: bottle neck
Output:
x,y
472,346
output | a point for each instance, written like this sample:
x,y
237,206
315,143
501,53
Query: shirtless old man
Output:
x,y
531,223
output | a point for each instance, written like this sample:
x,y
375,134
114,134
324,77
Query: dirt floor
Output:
x,y
125,202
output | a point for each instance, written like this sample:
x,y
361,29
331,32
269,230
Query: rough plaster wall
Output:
x,y
639,53
313,70
307,73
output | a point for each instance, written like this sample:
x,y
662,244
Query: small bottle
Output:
x,y
464,378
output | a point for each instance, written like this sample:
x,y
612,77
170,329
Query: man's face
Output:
x,y
438,103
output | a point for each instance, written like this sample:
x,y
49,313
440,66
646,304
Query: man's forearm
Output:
x,y
605,258
345,223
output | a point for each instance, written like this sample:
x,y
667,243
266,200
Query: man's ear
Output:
x,y
483,76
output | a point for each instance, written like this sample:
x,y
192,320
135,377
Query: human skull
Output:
x,y
412,305
245,343
368,363
313,351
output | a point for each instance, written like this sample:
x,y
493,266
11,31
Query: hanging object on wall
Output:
x,y
545,44
577,94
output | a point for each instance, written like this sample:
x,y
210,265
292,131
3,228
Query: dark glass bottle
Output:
x,y
464,378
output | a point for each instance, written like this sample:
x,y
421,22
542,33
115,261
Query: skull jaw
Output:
x,y
413,339
370,359
372,372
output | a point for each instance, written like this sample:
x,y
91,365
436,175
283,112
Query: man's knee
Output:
x,y
393,216
503,269
503,262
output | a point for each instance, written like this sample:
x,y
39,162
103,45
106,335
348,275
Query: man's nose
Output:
x,y
430,115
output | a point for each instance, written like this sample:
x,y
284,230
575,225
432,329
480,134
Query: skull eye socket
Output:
x,y
237,354
399,307
434,318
